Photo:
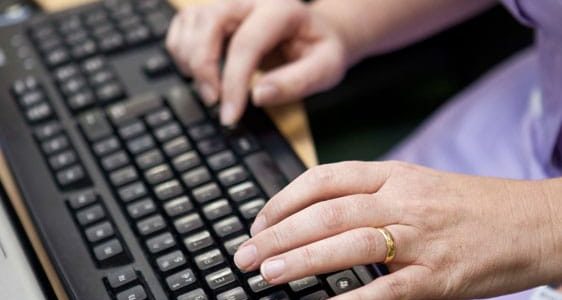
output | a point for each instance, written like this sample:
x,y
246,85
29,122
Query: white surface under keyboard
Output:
x,y
17,280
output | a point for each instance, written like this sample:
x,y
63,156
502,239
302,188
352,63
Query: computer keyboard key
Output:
x,y
141,144
95,17
209,259
101,77
56,57
233,294
63,159
121,277
251,209
131,130
220,278
133,108
157,65
134,293
212,145
55,144
84,49
66,72
160,243
244,144
158,23
167,132
197,294
47,130
159,117
93,64
233,176
123,176
198,241
188,223
90,215
73,85
168,189
217,209
266,172
110,92
137,35
108,250
176,146
171,261
180,280
141,208
304,283
258,284
228,226
196,177
178,206
111,41
24,85
151,225
202,131
186,161
114,161
99,232
106,146
82,199
233,244
132,191
243,191
31,98
207,192
158,174
40,112
184,105
94,125
221,160
319,295
150,159
81,100
73,176
343,281
279,295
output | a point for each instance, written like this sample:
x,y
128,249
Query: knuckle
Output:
x,y
309,258
277,239
321,175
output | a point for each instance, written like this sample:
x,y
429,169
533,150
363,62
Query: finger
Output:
x,y
207,43
318,70
172,37
355,247
314,223
321,183
248,46
408,283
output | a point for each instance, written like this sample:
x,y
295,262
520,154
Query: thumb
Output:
x,y
320,69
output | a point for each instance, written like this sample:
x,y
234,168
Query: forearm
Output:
x,y
370,27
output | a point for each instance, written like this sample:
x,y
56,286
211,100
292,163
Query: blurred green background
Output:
x,y
383,99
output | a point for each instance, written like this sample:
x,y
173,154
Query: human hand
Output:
x,y
314,52
457,236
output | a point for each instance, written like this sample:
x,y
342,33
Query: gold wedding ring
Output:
x,y
390,245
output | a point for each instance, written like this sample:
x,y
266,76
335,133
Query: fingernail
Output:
x,y
245,256
272,269
208,93
228,113
264,92
258,226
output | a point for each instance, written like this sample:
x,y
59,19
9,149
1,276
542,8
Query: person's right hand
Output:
x,y
314,52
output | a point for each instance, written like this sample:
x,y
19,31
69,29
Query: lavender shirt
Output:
x,y
508,123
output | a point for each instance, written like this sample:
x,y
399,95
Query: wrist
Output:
x,y
551,262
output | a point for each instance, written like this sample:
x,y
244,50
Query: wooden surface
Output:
x,y
291,119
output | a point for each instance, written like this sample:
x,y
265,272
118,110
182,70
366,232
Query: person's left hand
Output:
x,y
457,236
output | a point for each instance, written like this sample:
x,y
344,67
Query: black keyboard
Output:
x,y
135,189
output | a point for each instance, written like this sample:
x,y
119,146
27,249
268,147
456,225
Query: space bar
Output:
x,y
266,173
